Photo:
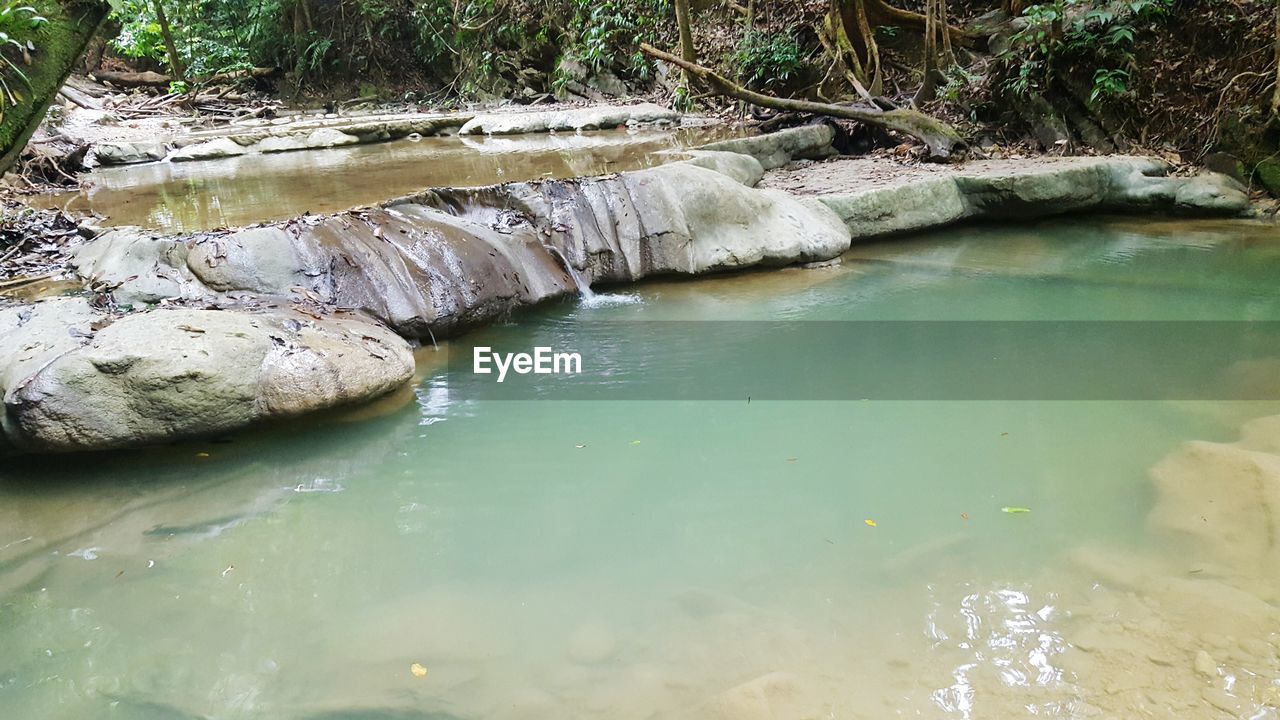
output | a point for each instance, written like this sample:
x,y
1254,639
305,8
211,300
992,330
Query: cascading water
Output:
x,y
589,296
584,290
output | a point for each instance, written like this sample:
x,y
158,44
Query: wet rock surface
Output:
x,y
435,263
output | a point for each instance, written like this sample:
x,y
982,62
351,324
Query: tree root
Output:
x,y
942,141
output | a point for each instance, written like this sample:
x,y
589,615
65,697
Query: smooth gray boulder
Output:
x,y
588,118
809,142
209,150
174,373
261,260
875,201
127,153
139,267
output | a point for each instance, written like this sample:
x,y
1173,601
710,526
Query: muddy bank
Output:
x,y
434,263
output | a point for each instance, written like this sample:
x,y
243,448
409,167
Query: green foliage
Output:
x,y
18,27
210,36
959,80
1078,36
475,46
769,61
606,35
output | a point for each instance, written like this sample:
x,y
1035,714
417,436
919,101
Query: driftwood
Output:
x,y
131,79
82,99
940,138
154,79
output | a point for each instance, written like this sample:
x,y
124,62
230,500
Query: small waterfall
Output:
x,y
584,289
589,297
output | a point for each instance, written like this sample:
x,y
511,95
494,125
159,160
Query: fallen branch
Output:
x,y
940,138
18,282
154,79
131,79
82,99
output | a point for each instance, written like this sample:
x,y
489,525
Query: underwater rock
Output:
x,y
1221,501
592,643
773,696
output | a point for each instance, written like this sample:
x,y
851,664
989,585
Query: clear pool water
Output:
x,y
437,556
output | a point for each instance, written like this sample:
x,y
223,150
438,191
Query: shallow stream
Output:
x,y
436,556
229,192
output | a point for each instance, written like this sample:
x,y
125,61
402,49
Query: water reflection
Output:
x,y
202,195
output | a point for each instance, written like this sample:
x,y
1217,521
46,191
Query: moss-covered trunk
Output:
x,y
59,44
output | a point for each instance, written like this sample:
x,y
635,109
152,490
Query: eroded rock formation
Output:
x,y
439,261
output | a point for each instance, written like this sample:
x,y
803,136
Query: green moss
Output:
x,y
72,23
1267,173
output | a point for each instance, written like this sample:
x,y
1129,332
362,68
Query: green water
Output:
x,y
546,559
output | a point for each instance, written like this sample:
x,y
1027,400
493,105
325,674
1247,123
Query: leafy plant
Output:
x,y
18,26
769,60
605,35
1078,36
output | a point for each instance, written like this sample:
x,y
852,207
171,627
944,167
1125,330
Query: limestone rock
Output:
x,y
812,142
141,267
211,149
916,199
588,118
165,374
127,153
261,260
1223,501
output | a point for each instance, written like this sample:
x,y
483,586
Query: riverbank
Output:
x,y
308,296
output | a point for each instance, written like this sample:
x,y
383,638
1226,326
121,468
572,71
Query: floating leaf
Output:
x,y
635,442
418,670
1012,510
870,522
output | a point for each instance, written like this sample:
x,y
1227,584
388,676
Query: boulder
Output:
x,y
917,199
128,153
140,266
588,118
431,264
211,149
811,142
173,373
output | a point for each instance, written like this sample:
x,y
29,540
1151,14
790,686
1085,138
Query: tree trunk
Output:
x,y
882,13
1013,7
938,56
71,25
850,34
1275,95
175,60
941,139
687,52
154,79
